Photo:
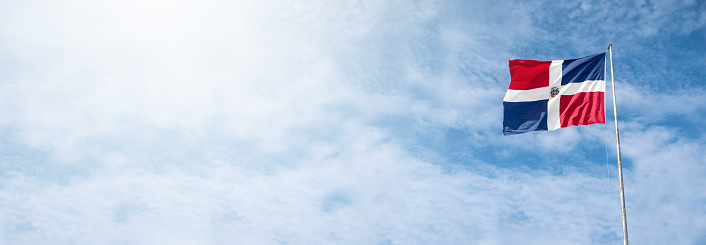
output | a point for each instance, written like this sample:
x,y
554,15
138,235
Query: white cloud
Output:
x,y
665,185
643,104
267,122
372,194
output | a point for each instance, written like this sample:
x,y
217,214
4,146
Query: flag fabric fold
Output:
x,y
547,95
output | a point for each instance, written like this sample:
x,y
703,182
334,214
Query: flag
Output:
x,y
547,95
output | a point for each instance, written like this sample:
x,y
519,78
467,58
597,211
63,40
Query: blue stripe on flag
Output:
x,y
523,117
588,68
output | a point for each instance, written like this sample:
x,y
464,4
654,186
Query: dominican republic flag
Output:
x,y
547,95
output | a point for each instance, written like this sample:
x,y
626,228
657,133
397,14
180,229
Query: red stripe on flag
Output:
x,y
529,74
582,109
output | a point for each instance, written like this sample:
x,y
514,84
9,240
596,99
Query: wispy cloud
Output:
x,y
315,123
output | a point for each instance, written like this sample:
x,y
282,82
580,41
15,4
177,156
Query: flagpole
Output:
x,y
617,140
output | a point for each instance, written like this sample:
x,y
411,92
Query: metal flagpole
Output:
x,y
617,140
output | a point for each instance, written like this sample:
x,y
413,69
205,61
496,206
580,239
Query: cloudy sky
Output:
x,y
341,122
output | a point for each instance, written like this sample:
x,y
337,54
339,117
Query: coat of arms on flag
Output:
x,y
547,95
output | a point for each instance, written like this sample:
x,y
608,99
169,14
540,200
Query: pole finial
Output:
x,y
610,46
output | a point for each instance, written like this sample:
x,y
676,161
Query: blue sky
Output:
x,y
344,122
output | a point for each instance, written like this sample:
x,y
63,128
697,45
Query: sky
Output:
x,y
341,122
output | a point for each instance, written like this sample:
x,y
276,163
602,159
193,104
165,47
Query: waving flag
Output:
x,y
547,95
